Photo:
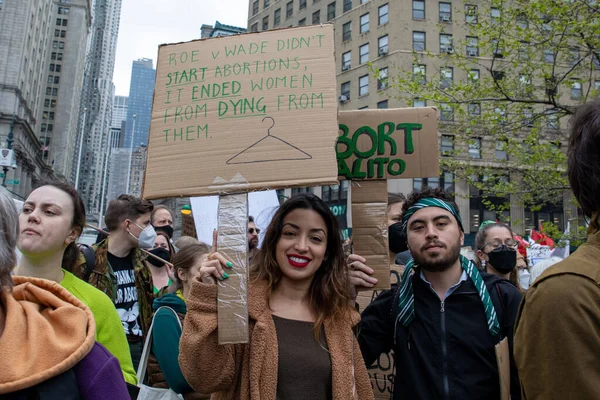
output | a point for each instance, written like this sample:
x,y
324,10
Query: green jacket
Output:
x,y
103,278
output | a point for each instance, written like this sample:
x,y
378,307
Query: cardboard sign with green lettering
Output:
x,y
388,144
242,113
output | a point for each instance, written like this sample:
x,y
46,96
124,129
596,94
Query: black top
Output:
x,y
126,300
304,370
445,352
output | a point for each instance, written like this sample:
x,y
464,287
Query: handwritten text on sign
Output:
x,y
384,144
265,100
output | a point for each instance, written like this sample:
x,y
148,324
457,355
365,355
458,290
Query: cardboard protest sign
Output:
x,y
370,228
382,372
242,113
387,144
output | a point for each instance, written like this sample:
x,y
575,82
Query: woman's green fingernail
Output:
x,y
225,275
229,264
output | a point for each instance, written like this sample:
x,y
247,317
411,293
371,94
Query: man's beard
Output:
x,y
252,244
438,263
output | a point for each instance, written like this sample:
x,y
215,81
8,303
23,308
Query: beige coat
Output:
x,y
557,333
243,372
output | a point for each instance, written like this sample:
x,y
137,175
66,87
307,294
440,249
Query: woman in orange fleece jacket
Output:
x,y
300,317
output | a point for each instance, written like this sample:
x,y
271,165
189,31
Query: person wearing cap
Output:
x,y
445,317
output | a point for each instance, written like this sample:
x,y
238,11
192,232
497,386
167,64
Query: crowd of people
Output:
x,y
74,321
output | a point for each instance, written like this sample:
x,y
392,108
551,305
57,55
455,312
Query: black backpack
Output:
x,y
90,260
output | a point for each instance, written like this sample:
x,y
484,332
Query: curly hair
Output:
x,y
329,290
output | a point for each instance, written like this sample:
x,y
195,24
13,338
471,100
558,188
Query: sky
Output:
x,y
145,24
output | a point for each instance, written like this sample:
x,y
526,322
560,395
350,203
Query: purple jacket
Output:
x,y
99,376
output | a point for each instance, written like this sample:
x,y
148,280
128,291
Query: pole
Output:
x,y
102,192
80,148
130,154
9,140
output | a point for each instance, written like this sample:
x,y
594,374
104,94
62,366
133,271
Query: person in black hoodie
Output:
x,y
444,319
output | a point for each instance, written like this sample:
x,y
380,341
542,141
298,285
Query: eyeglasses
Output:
x,y
252,230
494,244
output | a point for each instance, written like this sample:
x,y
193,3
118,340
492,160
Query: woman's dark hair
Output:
x,y
71,255
329,294
187,257
583,161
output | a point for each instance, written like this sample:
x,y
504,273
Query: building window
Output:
x,y
447,77
58,22
528,117
254,27
53,56
472,46
495,14
347,31
419,41
447,145
48,91
61,45
576,90
347,5
267,3
346,60
58,68
445,12
471,14
54,92
277,17
549,56
597,85
382,44
419,74
346,89
474,109
497,48
254,8
51,68
383,14
56,32
522,21
524,51
55,44
302,22
289,10
50,79
501,146
52,103
382,105
382,79
446,43
316,18
302,5
364,23
418,11
475,148
63,34
364,53
418,102
265,24
363,85
51,116
330,11
473,76
47,103
446,112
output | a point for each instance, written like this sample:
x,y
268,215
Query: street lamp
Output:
x,y
102,192
80,147
130,153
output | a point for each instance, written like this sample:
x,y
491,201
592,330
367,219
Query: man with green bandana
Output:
x,y
445,317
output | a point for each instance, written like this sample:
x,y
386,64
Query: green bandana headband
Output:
x,y
406,303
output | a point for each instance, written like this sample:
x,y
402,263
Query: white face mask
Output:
x,y
147,236
524,276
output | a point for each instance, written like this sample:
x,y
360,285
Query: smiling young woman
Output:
x,y
301,341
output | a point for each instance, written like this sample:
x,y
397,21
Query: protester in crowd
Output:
x,y
557,344
162,220
538,269
523,271
253,232
497,251
396,238
47,335
444,320
120,269
301,343
185,241
162,274
52,219
163,367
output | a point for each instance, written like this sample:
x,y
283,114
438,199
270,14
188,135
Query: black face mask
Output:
x,y
503,259
168,229
397,238
159,252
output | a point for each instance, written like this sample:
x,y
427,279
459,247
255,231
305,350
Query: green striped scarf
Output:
x,y
406,303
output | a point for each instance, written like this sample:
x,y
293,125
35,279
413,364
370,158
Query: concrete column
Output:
x,y
461,197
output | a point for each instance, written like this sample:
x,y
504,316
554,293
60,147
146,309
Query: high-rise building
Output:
x,y
209,31
117,178
138,168
385,35
96,104
141,92
119,116
65,64
25,40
